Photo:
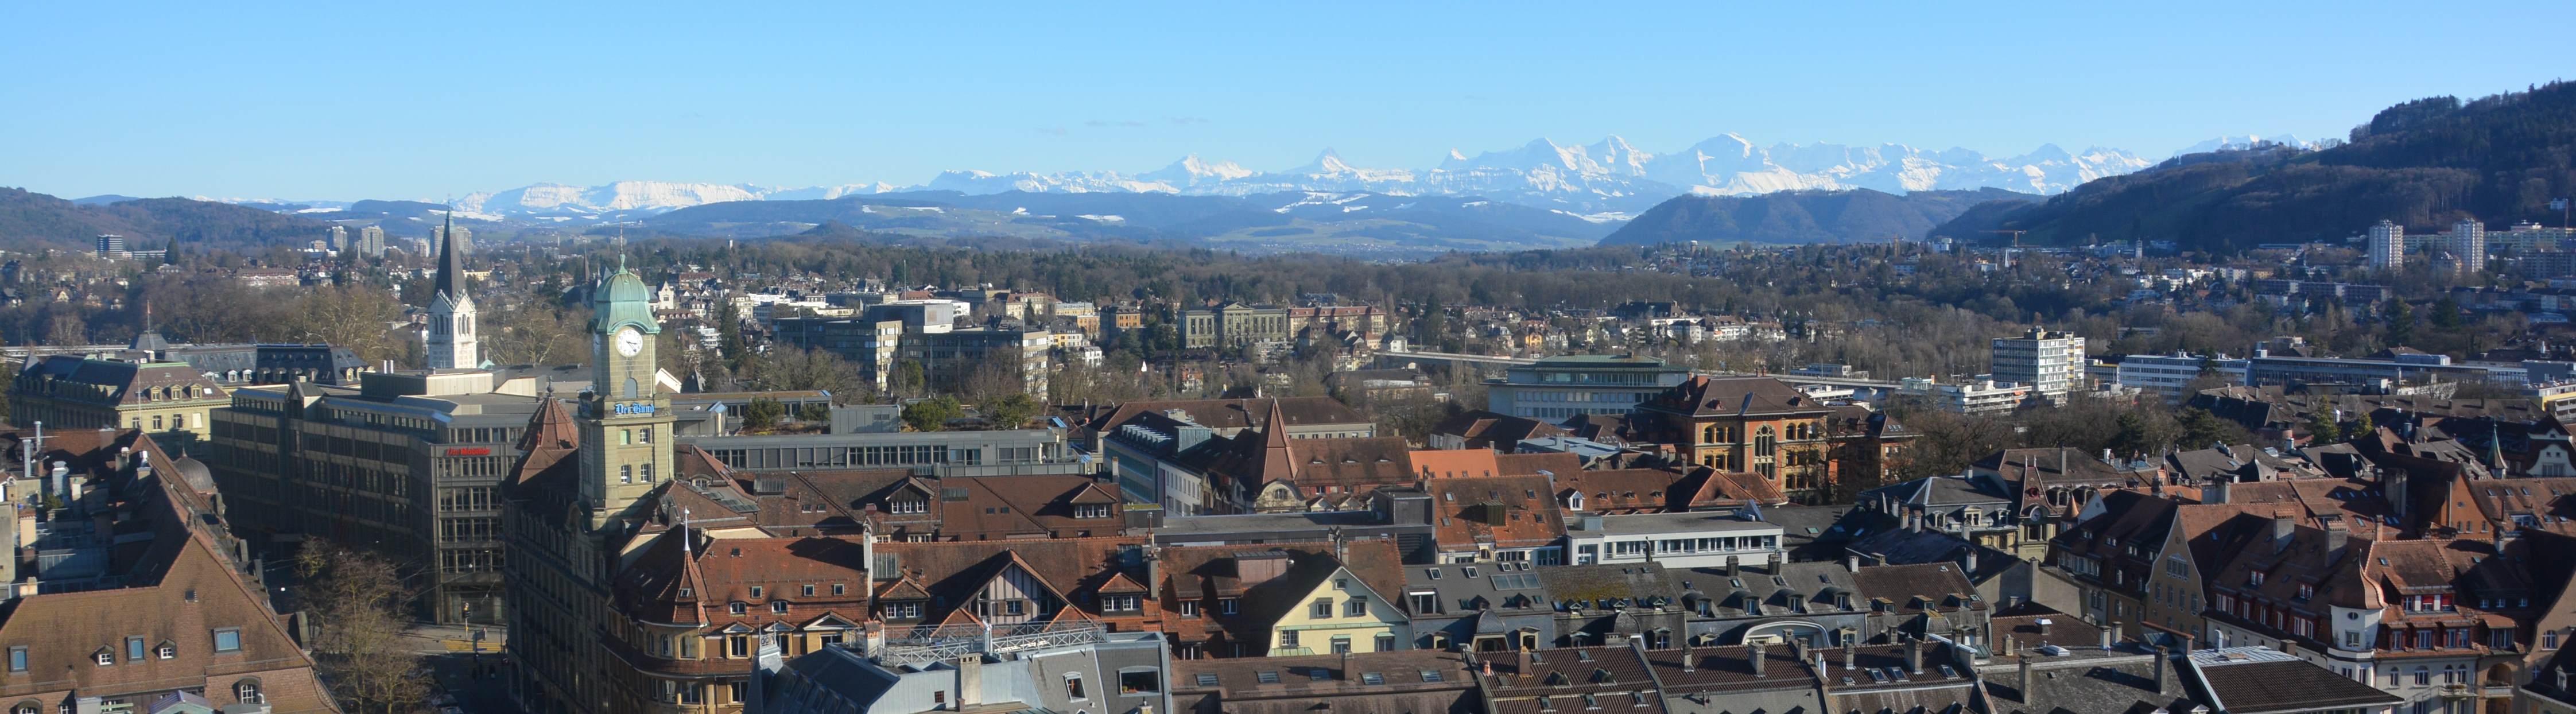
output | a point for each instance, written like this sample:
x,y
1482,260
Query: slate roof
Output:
x,y
2256,680
1705,396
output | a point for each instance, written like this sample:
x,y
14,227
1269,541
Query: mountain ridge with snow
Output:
x,y
1606,178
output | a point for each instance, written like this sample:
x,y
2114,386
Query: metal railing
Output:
x,y
931,643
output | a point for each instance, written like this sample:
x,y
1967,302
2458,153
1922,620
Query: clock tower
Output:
x,y
625,417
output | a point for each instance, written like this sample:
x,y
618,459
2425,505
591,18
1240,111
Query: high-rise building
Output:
x,y
2050,362
339,238
2469,246
464,236
451,338
2387,246
371,241
112,246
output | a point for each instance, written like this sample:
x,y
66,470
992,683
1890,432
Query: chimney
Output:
x,y
1730,566
970,680
1525,658
2025,676
2162,668
1847,655
1346,666
2282,527
1688,658
1753,655
1485,666
1969,568
2043,630
2336,535
2110,634
1851,562
1914,655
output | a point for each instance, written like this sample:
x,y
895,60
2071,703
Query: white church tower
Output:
x,y
452,341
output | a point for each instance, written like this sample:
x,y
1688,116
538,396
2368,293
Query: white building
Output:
x,y
2170,375
2469,246
2387,246
1979,397
1678,540
2050,362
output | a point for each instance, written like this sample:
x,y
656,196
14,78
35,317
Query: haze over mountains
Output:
x,y
1607,180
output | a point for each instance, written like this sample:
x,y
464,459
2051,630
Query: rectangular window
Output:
x,y
134,648
1385,642
228,640
1225,606
1356,607
1287,639
1140,682
1189,608
17,659
626,474
1323,608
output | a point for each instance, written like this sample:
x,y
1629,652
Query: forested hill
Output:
x,y
1803,216
2425,164
34,220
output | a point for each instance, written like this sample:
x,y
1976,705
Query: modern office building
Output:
x,y
112,246
1573,385
2170,376
869,343
2387,246
2052,363
406,464
951,361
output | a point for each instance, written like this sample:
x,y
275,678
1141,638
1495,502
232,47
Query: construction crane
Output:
x,y
2016,243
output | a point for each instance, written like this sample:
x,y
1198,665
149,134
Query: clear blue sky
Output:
x,y
349,100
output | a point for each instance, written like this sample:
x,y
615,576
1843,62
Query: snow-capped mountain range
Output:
x,y
1608,178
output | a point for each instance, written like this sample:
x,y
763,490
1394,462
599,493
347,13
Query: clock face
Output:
x,y
629,342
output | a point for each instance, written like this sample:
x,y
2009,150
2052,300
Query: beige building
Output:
x,y
74,392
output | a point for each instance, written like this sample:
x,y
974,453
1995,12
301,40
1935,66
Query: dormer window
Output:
x,y
738,609
1091,510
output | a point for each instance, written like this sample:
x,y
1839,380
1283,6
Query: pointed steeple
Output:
x,y
1276,462
451,264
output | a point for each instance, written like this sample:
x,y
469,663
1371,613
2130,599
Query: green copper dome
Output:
x,y
622,299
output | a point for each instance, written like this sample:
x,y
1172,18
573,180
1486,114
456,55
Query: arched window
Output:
x,y
247,691
630,388
25,707
1765,441
1708,435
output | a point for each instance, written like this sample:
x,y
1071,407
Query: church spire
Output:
x,y
451,264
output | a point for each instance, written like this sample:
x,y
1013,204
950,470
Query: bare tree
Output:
x,y
358,602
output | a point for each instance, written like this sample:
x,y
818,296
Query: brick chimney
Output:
x,y
1914,655
2110,634
1753,655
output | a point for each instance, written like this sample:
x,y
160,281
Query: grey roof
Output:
x,y
1504,586
1758,591
2117,681
2255,680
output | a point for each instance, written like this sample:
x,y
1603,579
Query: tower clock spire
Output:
x,y
626,418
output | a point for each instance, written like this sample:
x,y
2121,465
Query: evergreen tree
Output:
x,y
2401,323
